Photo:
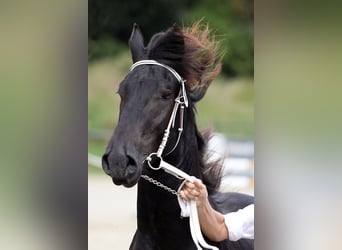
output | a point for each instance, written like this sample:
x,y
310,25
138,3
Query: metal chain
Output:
x,y
159,184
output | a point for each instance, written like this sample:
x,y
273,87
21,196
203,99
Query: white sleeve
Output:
x,y
240,224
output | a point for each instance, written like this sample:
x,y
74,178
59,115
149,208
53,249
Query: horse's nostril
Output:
x,y
130,161
131,170
105,164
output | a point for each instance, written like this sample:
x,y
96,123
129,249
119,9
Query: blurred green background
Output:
x,y
228,106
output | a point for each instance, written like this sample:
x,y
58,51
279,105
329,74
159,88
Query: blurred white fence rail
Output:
x,y
94,160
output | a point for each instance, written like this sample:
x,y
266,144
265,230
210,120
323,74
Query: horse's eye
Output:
x,y
166,95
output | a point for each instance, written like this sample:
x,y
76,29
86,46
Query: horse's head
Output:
x,y
148,94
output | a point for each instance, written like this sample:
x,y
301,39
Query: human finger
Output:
x,y
194,192
189,185
183,196
188,195
198,184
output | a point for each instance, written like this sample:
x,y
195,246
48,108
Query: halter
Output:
x,y
174,72
155,161
181,100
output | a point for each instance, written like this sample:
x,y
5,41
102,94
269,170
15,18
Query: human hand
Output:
x,y
195,191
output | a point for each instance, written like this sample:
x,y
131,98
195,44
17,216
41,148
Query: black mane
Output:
x,y
169,48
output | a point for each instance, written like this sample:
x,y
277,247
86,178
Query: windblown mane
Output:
x,y
192,52
195,55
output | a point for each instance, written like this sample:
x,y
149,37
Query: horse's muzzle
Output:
x,y
123,169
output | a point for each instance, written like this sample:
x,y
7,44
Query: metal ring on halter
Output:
x,y
149,159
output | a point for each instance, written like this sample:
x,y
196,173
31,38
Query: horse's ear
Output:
x,y
136,44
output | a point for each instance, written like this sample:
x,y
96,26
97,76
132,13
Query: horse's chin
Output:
x,y
126,183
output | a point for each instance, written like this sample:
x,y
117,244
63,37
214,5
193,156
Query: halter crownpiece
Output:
x,y
174,72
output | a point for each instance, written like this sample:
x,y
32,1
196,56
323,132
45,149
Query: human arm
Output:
x,y
214,225
212,222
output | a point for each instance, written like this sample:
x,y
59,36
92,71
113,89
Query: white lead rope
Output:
x,y
188,208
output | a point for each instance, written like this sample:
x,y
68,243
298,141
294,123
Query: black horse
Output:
x,y
148,95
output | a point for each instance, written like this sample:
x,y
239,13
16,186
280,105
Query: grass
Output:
x,y
228,107
104,77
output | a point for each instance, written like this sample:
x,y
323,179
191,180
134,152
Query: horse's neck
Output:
x,y
158,213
